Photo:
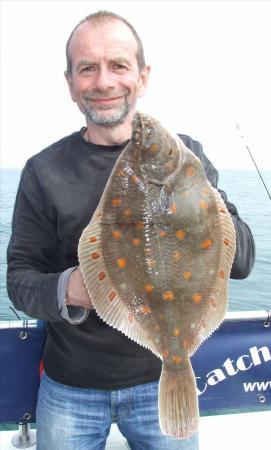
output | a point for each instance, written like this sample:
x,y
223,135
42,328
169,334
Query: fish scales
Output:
x,y
156,259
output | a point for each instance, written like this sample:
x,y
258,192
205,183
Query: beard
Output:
x,y
103,117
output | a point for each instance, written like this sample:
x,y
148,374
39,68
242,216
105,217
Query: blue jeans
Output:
x,y
71,418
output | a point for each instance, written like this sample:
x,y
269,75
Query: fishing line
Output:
x,y
250,153
18,317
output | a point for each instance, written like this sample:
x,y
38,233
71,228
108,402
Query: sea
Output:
x,y
244,188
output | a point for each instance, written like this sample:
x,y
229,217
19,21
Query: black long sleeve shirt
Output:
x,y
59,190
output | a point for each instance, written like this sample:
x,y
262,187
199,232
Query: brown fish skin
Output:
x,y
156,259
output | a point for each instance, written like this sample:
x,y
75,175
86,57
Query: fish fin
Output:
x,y
218,302
104,296
178,401
226,257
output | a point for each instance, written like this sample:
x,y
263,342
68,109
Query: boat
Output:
x,y
232,369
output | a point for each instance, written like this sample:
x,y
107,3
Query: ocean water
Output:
x,y
244,189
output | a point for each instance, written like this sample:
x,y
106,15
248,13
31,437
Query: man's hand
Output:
x,y
77,294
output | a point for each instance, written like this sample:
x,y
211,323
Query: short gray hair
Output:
x,y
102,17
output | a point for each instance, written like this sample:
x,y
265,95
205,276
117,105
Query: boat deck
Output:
x,y
248,431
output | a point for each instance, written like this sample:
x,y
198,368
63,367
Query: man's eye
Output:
x,y
119,67
87,69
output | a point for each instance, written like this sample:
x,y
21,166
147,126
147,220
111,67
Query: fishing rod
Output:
x,y
250,153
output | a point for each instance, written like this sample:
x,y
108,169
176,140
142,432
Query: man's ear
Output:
x,y
68,77
143,82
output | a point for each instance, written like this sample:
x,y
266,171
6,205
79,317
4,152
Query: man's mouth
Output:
x,y
104,100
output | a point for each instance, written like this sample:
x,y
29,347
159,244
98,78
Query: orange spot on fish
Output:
x,y
92,239
95,255
187,275
127,212
116,234
154,148
168,296
148,288
176,255
190,171
165,354
197,298
145,310
207,243
221,274
139,225
180,234
130,317
222,210
173,208
151,263
136,242
177,332
116,202
203,204
205,191
112,295
162,233
102,276
226,241
120,173
134,179
176,359
122,262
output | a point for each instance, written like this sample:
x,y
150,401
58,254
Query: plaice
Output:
x,y
156,259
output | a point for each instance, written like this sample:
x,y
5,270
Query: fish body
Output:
x,y
156,259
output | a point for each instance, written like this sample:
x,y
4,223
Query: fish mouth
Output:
x,y
136,120
137,130
142,129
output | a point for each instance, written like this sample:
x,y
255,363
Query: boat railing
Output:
x,y
232,369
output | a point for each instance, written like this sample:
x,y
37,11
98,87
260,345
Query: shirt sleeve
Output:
x,y
73,314
33,283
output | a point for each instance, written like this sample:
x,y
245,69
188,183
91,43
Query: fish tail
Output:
x,y
178,401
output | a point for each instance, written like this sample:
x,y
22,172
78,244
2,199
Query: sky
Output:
x,y
210,70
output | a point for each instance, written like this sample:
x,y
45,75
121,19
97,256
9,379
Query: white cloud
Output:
x,y
211,69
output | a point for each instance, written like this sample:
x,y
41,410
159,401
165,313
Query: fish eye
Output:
x,y
171,152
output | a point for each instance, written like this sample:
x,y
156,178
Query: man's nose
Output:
x,y
104,79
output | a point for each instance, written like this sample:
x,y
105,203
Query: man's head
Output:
x,y
103,17
106,70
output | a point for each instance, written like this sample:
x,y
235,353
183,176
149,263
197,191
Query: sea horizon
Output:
x,y
244,188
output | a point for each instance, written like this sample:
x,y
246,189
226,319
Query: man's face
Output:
x,y
105,81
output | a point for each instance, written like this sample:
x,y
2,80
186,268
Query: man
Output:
x,y
93,375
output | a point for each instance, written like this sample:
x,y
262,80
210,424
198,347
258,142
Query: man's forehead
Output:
x,y
90,33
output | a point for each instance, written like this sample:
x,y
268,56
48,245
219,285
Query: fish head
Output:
x,y
157,151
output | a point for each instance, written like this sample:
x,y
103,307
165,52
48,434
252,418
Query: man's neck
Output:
x,y
100,135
